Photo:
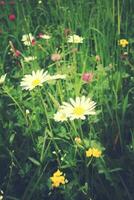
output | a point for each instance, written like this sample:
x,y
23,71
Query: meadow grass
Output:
x,y
93,151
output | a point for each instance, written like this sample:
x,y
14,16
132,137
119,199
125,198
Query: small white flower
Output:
x,y
75,39
60,116
29,58
27,39
27,112
39,2
2,79
44,36
58,76
37,78
78,108
1,195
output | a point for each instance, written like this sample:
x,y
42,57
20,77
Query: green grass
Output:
x,y
33,145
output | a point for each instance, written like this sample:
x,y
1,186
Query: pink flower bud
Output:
x,y
87,77
33,42
2,3
55,57
12,17
17,53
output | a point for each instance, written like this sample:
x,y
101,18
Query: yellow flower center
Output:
x,y
35,82
78,110
63,116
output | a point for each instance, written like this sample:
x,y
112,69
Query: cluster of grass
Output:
x,y
33,145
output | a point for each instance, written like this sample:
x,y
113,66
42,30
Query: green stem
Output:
x,y
45,111
37,183
81,131
50,128
17,104
116,116
74,127
89,162
119,17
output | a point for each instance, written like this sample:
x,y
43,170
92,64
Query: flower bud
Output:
x,y
97,58
2,3
87,77
78,140
12,17
27,112
55,57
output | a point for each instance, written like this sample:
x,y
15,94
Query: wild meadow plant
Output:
x,y
66,100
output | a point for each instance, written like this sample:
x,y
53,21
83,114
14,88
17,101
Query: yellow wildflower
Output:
x,y
123,42
57,173
96,152
58,178
89,152
93,152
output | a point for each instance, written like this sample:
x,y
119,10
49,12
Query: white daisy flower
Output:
x,y
60,116
37,78
27,39
79,108
29,58
2,79
75,39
